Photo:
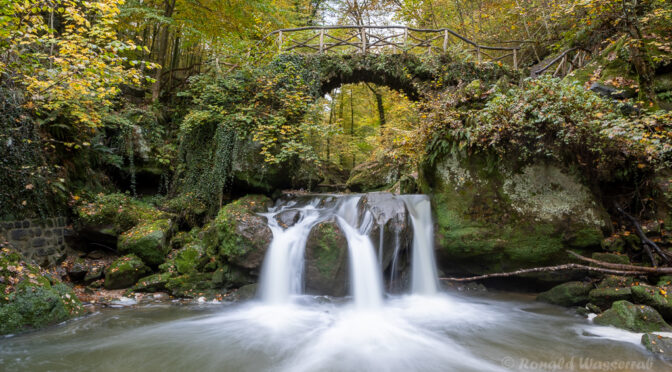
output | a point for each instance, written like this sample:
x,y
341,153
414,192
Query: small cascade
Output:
x,y
365,276
424,278
362,219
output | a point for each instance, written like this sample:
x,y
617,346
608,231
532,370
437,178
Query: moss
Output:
x,y
188,208
152,283
659,345
326,251
191,285
611,258
635,318
147,240
656,297
605,296
614,281
222,236
125,271
119,211
567,294
30,299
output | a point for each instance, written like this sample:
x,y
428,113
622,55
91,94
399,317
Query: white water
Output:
x,y
424,280
365,276
282,272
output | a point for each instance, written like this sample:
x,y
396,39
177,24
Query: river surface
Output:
x,y
445,332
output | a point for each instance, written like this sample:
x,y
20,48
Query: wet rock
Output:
x,y
247,292
392,220
656,297
147,241
326,263
664,281
94,273
230,276
125,271
77,271
238,234
288,218
567,294
635,318
659,345
604,297
611,92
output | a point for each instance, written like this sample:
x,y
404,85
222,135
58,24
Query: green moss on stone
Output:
x,y
611,258
125,271
567,294
152,283
147,240
635,318
119,211
29,299
604,297
656,297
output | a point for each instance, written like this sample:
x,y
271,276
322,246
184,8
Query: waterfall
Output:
x,y
424,277
282,276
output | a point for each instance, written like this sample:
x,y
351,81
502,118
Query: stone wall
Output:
x,y
40,240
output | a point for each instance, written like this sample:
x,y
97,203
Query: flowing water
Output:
x,y
286,330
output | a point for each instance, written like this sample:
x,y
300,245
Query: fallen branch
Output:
x,y
640,269
646,242
546,269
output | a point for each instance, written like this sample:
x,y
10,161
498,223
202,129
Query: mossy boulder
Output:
x,y
115,213
615,281
664,281
326,260
229,276
247,292
147,241
152,283
611,258
605,296
567,294
125,271
238,234
656,297
659,345
192,285
186,260
29,299
635,318
492,216
375,175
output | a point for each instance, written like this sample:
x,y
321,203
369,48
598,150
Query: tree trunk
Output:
x,y
164,32
639,57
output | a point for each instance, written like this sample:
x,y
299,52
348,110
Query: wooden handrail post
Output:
x,y
363,36
515,59
321,41
445,41
280,41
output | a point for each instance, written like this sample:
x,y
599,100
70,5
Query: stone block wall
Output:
x,y
40,240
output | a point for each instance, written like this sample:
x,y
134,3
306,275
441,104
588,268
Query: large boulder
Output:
x,y
29,298
659,345
392,224
148,240
239,235
493,217
567,294
100,221
125,271
635,318
375,175
326,264
605,296
656,297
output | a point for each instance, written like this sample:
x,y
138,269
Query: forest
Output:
x,y
444,162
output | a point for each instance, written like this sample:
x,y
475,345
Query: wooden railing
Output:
x,y
386,39
564,63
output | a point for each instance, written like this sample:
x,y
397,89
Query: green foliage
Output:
x,y
120,211
29,299
549,119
